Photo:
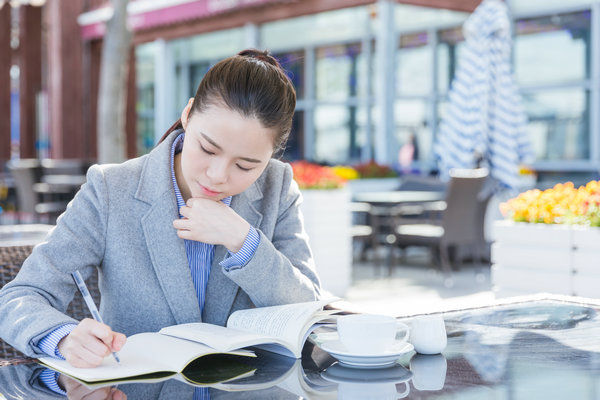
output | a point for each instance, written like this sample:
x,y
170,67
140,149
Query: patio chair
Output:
x,y
361,230
460,223
25,172
12,256
39,199
422,182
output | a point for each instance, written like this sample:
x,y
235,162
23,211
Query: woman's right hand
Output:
x,y
88,344
76,391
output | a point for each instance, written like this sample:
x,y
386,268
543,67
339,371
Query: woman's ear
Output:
x,y
185,114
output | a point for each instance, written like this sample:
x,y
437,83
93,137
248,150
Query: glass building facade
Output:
x,y
368,78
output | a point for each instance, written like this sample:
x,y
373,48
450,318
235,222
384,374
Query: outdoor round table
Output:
x,y
399,197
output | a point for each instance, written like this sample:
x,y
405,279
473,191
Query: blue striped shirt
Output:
x,y
200,257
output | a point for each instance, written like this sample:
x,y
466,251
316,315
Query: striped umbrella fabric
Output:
x,y
485,120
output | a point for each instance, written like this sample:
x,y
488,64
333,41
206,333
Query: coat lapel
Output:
x,y
167,250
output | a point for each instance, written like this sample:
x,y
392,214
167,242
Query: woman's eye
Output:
x,y
206,151
242,168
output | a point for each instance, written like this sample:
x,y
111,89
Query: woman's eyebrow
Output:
x,y
212,142
209,140
252,160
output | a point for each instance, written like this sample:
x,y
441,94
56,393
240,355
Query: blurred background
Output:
x,y
369,74
85,81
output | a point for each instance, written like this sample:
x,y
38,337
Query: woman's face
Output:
x,y
223,153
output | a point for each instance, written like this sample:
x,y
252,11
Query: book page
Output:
x,y
218,337
143,353
286,322
296,384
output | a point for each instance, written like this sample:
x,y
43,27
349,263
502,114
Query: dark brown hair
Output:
x,y
253,84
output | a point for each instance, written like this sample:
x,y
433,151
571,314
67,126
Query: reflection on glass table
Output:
x,y
537,347
543,348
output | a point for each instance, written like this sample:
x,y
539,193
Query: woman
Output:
x,y
211,181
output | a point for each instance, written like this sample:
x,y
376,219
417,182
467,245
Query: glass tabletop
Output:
x,y
399,196
540,348
23,235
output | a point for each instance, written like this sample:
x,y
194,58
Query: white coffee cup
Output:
x,y
428,334
428,371
370,333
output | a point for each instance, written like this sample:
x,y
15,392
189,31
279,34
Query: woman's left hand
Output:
x,y
212,222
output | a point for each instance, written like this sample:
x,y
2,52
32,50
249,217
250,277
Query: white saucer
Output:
x,y
338,373
387,358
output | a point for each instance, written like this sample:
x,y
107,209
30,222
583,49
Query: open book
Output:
x,y
159,355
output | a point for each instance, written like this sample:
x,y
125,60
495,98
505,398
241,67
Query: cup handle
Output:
x,y
402,325
405,393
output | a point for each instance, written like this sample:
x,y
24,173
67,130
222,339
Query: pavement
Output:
x,y
415,286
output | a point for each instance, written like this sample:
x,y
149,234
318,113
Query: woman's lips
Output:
x,y
208,192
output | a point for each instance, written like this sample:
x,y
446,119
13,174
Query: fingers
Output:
x,y
182,225
187,235
190,202
88,344
118,342
118,395
77,391
186,211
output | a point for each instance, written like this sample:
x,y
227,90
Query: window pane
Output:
x,y
187,79
526,6
330,26
339,133
209,46
410,117
197,72
408,17
364,66
294,149
450,46
553,49
293,64
144,69
558,123
414,65
363,148
337,72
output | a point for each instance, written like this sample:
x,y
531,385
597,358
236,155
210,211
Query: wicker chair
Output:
x,y
12,255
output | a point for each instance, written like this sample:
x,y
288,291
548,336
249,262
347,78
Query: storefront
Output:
x,y
369,74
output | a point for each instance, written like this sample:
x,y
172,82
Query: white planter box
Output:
x,y
327,223
558,259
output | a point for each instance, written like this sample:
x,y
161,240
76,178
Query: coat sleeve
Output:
x,y
33,304
282,269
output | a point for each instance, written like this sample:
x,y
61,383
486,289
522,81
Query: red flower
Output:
x,y
314,176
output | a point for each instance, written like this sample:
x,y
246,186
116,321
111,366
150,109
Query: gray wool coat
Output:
x,y
121,223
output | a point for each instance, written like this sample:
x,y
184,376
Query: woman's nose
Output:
x,y
217,172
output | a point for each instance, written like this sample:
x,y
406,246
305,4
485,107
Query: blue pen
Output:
x,y
89,301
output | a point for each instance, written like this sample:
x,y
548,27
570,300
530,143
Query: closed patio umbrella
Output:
x,y
485,121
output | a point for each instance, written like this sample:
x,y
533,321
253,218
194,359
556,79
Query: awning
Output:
x,y
145,14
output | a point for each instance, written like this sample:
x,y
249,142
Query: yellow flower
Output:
x,y
345,172
561,204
